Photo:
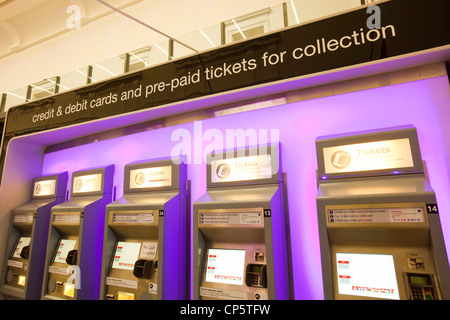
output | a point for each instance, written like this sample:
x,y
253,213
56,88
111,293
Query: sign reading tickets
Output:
x,y
151,177
242,169
44,188
88,183
377,155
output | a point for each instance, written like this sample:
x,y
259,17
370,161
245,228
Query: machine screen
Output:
x,y
65,245
367,275
126,255
225,266
23,242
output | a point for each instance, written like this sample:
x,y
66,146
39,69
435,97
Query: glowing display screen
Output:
x,y
65,245
23,242
377,155
225,266
242,169
126,255
367,275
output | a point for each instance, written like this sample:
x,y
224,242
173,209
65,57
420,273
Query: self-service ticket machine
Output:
x,y
379,225
75,240
145,248
240,232
27,239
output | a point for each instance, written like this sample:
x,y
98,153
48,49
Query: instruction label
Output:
x,y
23,218
133,218
231,218
377,215
66,218
148,250
223,294
123,283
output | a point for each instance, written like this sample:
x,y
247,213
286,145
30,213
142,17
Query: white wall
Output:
x,y
114,34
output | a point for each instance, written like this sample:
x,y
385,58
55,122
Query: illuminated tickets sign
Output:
x,y
369,156
87,183
44,188
242,169
151,177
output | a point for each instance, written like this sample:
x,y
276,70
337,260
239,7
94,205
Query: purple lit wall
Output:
x,y
424,104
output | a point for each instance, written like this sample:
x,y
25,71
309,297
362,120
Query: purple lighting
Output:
x,y
423,104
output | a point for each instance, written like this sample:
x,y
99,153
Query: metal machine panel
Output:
x,y
240,231
75,241
27,239
380,232
145,247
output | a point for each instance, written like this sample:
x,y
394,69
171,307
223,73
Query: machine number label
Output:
x,y
432,208
161,213
267,212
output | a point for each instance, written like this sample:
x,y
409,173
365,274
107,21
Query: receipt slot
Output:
x,y
75,239
240,233
145,248
379,225
27,239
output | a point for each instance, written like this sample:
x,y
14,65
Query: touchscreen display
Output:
x,y
225,266
126,255
65,245
23,242
367,275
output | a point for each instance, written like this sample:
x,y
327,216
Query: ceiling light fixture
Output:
x,y
165,52
207,38
101,67
16,95
295,12
239,29
145,24
145,63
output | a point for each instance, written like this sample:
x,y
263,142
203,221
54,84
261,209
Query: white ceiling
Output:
x,y
24,23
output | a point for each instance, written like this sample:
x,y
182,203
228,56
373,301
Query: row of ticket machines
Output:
x,y
379,228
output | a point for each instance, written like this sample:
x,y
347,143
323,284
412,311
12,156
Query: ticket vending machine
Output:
x,y
145,247
379,225
75,240
27,239
240,230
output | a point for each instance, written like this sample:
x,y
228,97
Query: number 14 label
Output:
x,y
432,208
